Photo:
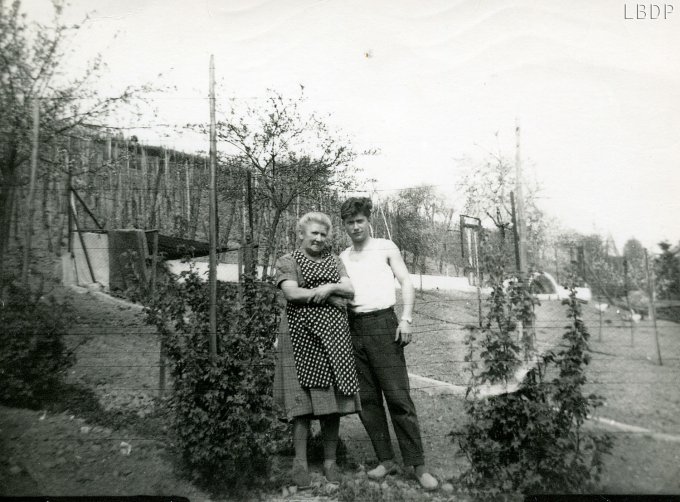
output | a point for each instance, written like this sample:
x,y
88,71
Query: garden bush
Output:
x,y
225,419
529,441
33,355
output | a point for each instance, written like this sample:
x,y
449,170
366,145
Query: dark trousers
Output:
x,y
381,368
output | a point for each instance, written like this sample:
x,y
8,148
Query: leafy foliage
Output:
x,y
601,265
225,418
531,440
509,303
667,270
33,355
634,252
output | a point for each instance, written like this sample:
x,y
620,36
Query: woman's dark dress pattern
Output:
x,y
292,397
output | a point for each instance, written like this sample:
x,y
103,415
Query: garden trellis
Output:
x,y
470,228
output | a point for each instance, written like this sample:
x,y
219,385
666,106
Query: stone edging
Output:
x,y
100,295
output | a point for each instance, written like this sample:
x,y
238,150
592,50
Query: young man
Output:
x,y
379,340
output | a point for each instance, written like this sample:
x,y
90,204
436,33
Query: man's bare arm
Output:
x,y
396,262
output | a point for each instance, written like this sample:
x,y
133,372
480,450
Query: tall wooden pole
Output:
x,y
518,261
519,202
161,356
515,232
31,189
144,192
188,189
520,232
212,275
80,236
630,310
118,212
479,277
599,311
68,195
244,227
248,258
127,205
652,307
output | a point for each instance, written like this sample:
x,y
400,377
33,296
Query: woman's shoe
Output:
x,y
301,476
332,473
383,469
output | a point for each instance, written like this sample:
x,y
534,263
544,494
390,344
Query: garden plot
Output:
x,y
438,351
119,361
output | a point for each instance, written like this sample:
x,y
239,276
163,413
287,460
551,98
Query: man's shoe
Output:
x,y
383,469
428,481
332,473
301,476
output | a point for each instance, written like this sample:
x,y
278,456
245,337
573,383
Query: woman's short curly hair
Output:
x,y
314,217
354,206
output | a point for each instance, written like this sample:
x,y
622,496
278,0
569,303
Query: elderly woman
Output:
x,y
315,374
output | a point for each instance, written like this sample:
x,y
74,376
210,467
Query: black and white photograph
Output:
x,y
334,250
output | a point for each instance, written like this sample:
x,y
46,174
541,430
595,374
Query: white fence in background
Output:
x,y
228,272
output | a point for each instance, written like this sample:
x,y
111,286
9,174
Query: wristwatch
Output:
x,y
407,319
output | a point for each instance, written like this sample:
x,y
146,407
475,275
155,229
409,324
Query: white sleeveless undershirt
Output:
x,y
371,276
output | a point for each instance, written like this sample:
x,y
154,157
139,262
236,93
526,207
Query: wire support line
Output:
x,y
518,358
151,329
167,440
419,387
256,176
429,364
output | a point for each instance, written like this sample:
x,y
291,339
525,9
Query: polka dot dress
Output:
x,y
322,346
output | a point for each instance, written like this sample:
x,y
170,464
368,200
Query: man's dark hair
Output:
x,y
354,206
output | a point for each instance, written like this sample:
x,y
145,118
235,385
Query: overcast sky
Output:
x,y
597,96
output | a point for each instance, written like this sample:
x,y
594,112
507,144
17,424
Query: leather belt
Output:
x,y
373,313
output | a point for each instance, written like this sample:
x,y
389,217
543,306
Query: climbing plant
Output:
x,y
531,440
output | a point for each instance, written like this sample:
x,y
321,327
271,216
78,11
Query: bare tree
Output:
x,y
421,220
290,152
486,188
